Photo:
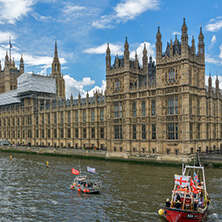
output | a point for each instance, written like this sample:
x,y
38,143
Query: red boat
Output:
x,y
189,201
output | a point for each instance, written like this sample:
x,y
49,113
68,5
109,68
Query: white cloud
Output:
x,y
214,25
150,51
209,59
104,22
13,10
68,9
216,60
129,9
29,59
4,37
176,33
115,49
124,11
213,40
75,87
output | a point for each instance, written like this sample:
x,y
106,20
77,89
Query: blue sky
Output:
x,y
83,28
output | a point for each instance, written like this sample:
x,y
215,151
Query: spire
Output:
x,y
71,98
79,98
210,81
107,49
108,59
171,48
158,46
136,62
176,40
126,45
145,60
21,66
126,56
193,46
56,52
158,35
184,40
201,46
184,27
21,60
217,83
87,97
56,67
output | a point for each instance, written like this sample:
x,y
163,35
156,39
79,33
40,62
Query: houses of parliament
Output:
x,y
149,108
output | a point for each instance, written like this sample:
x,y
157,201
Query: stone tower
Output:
x,y
9,75
56,73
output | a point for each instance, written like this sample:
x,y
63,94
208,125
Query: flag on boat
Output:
x,y
74,171
181,180
193,186
92,170
196,179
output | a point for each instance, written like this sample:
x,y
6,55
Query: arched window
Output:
x,y
171,75
117,84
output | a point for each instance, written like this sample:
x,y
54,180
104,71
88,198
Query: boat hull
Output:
x,y
178,215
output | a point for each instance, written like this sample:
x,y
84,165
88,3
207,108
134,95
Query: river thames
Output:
x,y
29,191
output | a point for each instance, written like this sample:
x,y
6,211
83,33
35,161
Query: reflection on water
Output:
x,y
29,191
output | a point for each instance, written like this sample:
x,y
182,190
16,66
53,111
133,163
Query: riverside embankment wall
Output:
x,y
206,159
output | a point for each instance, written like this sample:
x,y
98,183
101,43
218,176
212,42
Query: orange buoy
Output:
x,y
87,191
71,187
84,190
79,189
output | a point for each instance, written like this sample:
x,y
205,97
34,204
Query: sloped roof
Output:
x,y
29,82
9,98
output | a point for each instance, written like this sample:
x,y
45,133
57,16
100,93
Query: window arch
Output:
x,y
117,84
171,76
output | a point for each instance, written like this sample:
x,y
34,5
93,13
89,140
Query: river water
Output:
x,y
29,191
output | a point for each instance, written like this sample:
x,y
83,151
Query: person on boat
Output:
x,y
176,197
168,202
178,204
195,204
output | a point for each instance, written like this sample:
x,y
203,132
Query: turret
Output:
x,y
21,66
158,46
145,60
108,59
217,87
201,46
87,97
126,56
184,40
6,59
79,98
193,50
210,85
56,67
136,62
56,72
71,99
171,48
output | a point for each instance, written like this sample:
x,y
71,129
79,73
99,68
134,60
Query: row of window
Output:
x,y
51,117
172,131
53,134
172,108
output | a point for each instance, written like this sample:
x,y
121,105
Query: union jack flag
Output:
x,y
196,179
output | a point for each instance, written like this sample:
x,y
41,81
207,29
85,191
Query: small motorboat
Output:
x,y
189,201
82,184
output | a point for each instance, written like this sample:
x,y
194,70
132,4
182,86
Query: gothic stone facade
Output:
x,y
164,108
